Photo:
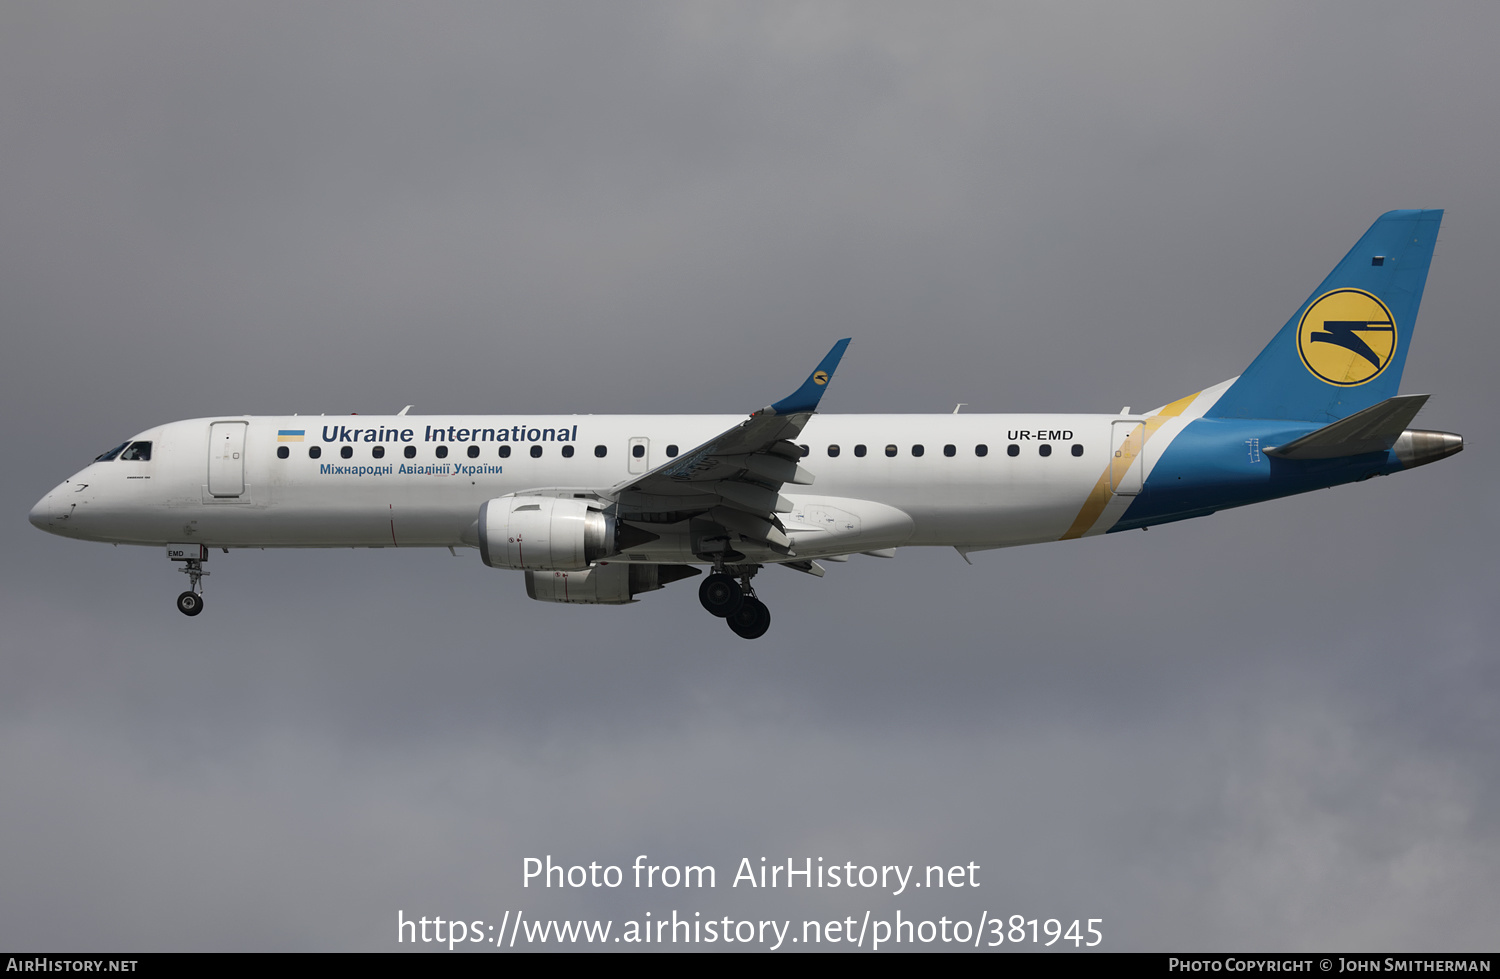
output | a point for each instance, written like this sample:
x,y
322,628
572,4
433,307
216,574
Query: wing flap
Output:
x,y
750,525
773,468
752,497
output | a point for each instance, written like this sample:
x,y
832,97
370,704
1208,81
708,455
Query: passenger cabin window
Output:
x,y
442,452
473,452
378,452
1044,450
505,452
1013,449
917,450
600,452
833,452
1077,449
138,452
890,450
567,451
282,452
859,450
347,452
639,451
671,452
106,457
315,452
410,452
981,450
536,452
806,451
950,451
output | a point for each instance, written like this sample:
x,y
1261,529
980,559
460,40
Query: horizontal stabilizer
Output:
x,y
1374,429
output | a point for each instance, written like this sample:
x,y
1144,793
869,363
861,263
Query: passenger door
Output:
x,y
226,459
1126,439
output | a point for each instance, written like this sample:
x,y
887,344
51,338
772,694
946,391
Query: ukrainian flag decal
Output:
x,y
290,434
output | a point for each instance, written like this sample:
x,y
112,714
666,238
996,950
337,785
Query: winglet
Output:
x,y
806,397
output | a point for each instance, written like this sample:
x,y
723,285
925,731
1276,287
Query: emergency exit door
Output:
x,y
640,455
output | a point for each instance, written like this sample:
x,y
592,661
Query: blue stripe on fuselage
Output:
x,y
1218,463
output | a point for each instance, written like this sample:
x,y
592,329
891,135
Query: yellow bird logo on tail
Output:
x,y
1347,337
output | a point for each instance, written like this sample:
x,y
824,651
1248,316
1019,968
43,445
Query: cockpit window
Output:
x,y
138,452
106,457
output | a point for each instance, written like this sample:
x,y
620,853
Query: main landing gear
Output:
x,y
735,601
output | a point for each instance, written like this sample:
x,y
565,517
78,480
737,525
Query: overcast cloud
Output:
x,y
1273,728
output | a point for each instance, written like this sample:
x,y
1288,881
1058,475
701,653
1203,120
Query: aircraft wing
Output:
x,y
734,479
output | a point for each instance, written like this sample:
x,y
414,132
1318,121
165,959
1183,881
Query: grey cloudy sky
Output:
x,y
1270,729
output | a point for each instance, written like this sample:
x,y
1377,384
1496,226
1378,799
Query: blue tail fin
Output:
x,y
1344,349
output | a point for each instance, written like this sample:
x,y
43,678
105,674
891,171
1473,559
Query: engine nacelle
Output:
x,y
603,584
543,533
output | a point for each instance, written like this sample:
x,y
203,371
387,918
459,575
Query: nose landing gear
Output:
x,y
189,603
192,556
735,601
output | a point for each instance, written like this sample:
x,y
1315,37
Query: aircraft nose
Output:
x,y
48,513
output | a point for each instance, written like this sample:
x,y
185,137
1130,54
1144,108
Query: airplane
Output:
x,y
601,509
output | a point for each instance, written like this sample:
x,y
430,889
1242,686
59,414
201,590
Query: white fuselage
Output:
x,y
410,481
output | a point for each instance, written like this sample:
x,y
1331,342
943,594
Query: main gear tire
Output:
x,y
721,595
752,620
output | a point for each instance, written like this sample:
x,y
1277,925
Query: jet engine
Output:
x,y
543,533
603,584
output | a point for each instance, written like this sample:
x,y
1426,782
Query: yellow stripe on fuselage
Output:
x,y
1101,494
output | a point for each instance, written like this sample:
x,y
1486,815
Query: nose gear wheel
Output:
x,y
190,602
